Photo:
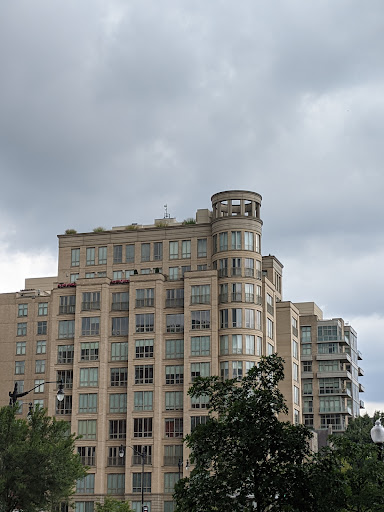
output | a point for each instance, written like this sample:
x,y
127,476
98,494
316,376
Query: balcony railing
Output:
x,y
223,272
88,460
137,459
201,299
143,303
172,460
64,310
223,297
250,297
236,297
174,303
116,461
120,306
249,272
89,306
236,271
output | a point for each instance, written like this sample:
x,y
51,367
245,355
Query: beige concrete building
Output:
x,y
135,314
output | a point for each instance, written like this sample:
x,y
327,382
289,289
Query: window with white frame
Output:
x,y
89,377
173,400
201,247
236,240
90,326
174,349
186,249
119,351
200,345
143,400
248,241
201,319
117,402
200,370
173,250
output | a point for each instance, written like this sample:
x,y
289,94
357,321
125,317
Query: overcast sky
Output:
x,y
103,103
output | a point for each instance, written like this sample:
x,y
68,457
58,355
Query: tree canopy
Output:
x,y
245,458
113,505
38,466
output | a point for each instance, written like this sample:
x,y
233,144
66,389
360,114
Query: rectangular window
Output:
x,y
249,267
249,318
186,249
306,349
120,326
174,427
116,483
144,348
200,345
89,351
84,506
175,323
198,420
22,329
102,255
236,240
295,371
175,298
258,244
174,349
201,247
201,319
224,370
117,429
20,348
173,250
236,267
294,327
305,334
87,457
119,377
143,400
40,384
145,252
130,253
117,254
87,402
270,349
42,309
75,257
173,273
200,370
91,301
118,402
40,366
249,365
224,349
250,344
307,366
144,374
236,321
87,429
73,278
269,328
136,482
172,454
201,294
145,322
41,347
295,349
117,274
90,256
114,458
237,344
170,480
248,241
119,351
173,400
224,318
174,374
67,304
142,427
259,344
22,310
66,377
86,485
145,297
41,328
89,377
120,301
158,251
249,290
237,370
296,395
199,402
90,326
223,241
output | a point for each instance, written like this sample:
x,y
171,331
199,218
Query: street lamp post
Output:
x,y
143,455
377,436
14,395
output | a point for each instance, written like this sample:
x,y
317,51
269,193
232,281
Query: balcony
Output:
x,y
236,271
249,272
361,388
201,299
342,410
223,272
361,372
88,460
236,297
362,405
335,391
359,355
342,374
339,356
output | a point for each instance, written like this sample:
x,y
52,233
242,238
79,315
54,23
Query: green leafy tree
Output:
x,y
113,505
245,458
38,466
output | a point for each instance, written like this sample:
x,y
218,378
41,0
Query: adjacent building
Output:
x,y
136,313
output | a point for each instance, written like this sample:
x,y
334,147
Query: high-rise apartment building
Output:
x,y
135,314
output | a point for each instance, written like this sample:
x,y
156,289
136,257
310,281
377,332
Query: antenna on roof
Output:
x,y
166,214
